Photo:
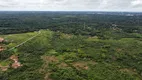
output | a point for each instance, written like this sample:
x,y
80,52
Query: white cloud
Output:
x,y
103,4
136,2
109,5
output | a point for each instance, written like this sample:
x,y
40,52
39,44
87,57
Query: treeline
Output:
x,y
84,23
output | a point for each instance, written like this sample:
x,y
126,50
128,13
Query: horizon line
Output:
x,y
64,11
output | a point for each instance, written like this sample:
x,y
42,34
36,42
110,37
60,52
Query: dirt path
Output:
x,y
25,41
17,64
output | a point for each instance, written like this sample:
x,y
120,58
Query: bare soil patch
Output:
x,y
83,64
4,68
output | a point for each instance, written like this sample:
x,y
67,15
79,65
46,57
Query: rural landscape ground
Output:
x,y
79,50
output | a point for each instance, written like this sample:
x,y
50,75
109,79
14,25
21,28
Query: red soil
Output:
x,y
16,63
4,68
14,58
2,48
1,39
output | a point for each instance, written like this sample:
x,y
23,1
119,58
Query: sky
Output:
x,y
71,5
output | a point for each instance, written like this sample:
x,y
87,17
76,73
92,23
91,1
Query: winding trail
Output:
x,y
25,41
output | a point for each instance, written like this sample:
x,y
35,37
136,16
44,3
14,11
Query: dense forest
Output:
x,y
71,46
69,22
